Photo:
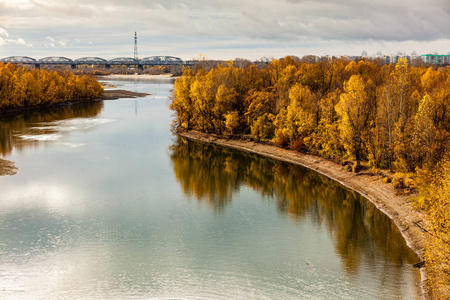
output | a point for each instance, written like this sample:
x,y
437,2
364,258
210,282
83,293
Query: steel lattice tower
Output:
x,y
135,46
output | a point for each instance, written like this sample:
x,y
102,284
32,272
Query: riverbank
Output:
x,y
137,76
370,186
119,94
7,167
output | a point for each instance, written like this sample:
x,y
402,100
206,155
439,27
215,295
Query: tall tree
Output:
x,y
355,109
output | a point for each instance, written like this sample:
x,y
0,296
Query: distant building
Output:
x,y
436,59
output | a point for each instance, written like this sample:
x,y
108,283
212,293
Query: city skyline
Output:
x,y
222,30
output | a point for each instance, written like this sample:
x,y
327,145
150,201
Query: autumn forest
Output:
x,y
21,88
392,117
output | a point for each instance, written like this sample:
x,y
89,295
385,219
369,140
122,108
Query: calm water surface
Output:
x,y
107,204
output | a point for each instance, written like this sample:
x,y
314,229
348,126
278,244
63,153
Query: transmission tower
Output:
x,y
135,46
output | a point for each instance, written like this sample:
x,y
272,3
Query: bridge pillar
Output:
x,y
108,66
37,66
73,66
141,67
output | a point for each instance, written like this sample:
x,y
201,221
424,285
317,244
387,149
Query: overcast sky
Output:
x,y
222,29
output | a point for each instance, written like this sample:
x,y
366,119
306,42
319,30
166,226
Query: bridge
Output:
x,y
97,61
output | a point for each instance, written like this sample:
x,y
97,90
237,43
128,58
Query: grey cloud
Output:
x,y
234,22
266,19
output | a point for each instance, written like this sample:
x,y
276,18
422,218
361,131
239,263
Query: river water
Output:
x,y
108,204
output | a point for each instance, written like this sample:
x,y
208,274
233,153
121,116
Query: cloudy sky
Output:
x,y
222,29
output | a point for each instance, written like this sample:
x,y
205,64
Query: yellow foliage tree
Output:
x,y
21,88
355,109
295,122
435,200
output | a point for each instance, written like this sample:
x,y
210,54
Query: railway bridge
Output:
x,y
97,61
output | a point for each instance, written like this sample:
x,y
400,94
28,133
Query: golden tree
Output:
x,y
354,109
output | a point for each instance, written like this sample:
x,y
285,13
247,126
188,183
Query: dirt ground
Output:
x,y
118,94
382,195
7,167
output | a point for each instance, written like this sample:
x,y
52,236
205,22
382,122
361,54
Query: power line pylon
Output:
x,y
135,46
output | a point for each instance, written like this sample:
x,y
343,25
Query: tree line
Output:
x,y
21,88
394,117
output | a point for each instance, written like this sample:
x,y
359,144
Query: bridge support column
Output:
x,y
37,66
73,66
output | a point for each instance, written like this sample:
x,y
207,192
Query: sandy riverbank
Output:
x,y
370,186
118,94
137,76
7,167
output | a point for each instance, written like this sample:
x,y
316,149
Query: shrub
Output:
x,y
232,122
281,138
298,145
398,183
263,128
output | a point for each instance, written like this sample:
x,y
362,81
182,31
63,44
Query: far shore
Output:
x,y
371,187
137,76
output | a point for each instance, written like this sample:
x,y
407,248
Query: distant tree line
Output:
x,y
21,88
395,117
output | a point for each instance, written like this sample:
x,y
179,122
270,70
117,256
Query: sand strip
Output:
x,y
7,167
137,76
120,94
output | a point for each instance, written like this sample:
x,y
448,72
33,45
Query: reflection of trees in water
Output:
x,y
360,232
9,125
202,173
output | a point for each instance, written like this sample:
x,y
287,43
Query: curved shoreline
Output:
x,y
371,187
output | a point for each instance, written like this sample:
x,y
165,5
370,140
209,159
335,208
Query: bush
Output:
x,y
298,145
398,183
232,122
263,128
281,138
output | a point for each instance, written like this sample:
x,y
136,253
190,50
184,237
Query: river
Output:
x,y
108,204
